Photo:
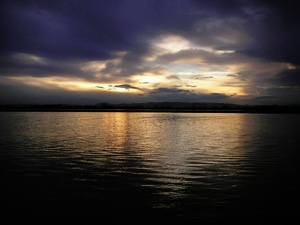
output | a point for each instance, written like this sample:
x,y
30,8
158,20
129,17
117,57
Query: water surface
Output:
x,y
188,167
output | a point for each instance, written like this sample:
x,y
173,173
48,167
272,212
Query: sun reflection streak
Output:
x,y
163,144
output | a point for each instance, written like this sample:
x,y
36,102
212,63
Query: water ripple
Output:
x,y
193,165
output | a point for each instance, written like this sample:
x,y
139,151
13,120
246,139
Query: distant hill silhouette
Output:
x,y
157,107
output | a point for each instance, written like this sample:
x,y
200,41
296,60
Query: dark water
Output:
x,y
150,167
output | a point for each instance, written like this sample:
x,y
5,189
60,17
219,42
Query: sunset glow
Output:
x,y
189,57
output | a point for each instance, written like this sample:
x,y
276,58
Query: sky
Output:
x,y
87,52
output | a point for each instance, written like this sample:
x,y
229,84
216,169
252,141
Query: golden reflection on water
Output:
x,y
186,144
176,149
184,162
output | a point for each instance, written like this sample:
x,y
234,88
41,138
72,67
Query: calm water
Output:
x,y
150,167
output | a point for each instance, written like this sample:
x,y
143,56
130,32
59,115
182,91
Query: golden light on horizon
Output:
x,y
55,83
138,84
174,62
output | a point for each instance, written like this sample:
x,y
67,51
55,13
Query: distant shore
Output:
x,y
174,107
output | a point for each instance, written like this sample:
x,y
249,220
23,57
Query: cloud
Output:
x,y
289,77
93,30
189,85
243,47
175,94
202,77
61,30
264,98
276,33
13,92
127,86
173,77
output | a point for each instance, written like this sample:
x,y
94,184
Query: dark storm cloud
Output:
x,y
94,29
175,94
29,65
277,33
288,78
62,29
84,29
55,38
131,63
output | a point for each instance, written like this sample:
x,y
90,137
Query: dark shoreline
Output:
x,y
172,107
157,111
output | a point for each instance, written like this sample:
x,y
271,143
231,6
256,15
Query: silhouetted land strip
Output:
x,y
157,107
